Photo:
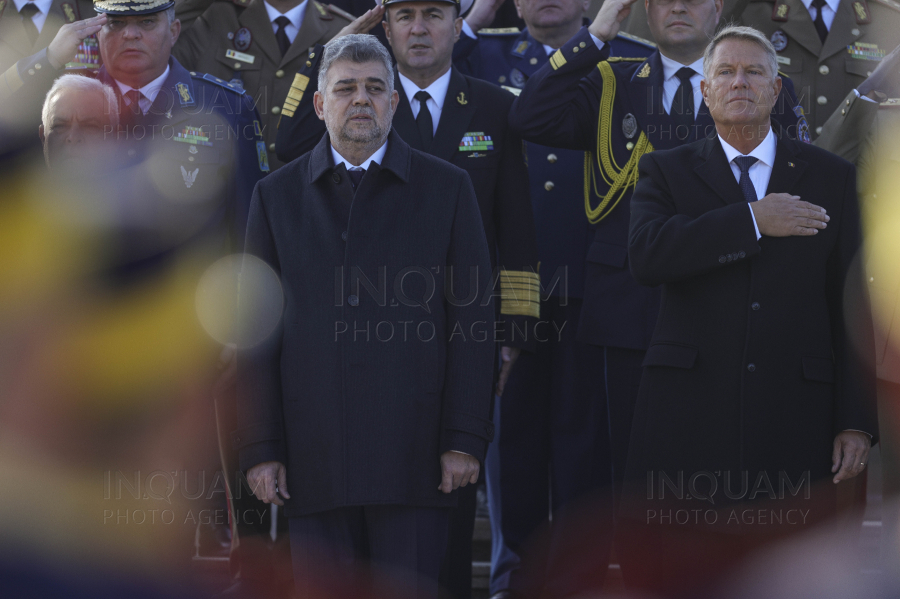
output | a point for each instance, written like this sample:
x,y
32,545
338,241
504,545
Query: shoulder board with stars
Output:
x,y
513,90
635,38
889,4
221,82
500,31
626,59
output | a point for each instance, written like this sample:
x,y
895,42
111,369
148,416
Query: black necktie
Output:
x,y
356,174
134,101
281,36
744,163
28,11
819,22
683,103
423,120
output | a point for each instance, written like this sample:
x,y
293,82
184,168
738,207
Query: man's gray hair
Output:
x,y
358,48
84,85
737,32
170,14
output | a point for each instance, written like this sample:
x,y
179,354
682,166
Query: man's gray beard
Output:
x,y
347,135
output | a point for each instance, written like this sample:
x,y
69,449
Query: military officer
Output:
x,y
636,22
549,415
256,44
827,47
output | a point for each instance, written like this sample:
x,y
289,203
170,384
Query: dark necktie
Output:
x,y
819,22
281,36
744,163
423,120
356,174
682,112
134,101
28,11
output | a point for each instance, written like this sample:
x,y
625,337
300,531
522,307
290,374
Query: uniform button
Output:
x,y
335,177
871,279
344,236
847,102
629,146
193,74
729,257
824,69
353,300
308,63
502,79
312,54
190,158
818,130
38,66
742,255
868,73
722,259
237,65
276,110
551,158
575,49
822,100
755,305
533,60
31,71
582,44
843,111
854,31
279,73
751,367
271,147
549,185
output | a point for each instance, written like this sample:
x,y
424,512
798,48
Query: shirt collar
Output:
x,y
670,67
437,90
832,4
295,15
764,152
150,91
43,5
377,158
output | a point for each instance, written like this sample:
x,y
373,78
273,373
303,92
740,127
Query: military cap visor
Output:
x,y
132,7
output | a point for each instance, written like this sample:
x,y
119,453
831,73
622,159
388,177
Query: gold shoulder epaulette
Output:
x,y
625,59
889,4
295,94
635,38
340,12
499,31
891,103
513,90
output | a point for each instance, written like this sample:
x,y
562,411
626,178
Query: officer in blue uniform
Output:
x,y
552,415
191,137
587,98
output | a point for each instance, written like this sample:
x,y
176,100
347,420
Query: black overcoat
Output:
x,y
384,357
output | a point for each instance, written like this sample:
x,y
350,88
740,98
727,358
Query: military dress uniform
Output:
x,y
550,416
234,41
863,31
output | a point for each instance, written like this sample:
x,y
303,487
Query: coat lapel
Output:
x,y
645,95
12,31
799,27
404,123
255,18
311,31
787,169
456,115
841,33
715,171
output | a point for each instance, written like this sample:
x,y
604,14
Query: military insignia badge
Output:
x,y
242,39
629,125
189,176
865,51
779,40
861,11
184,94
780,12
169,113
193,149
193,135
476,141
517,78
87,56
645,71
69,11
802,125
257,130
461,98
262,156
521,48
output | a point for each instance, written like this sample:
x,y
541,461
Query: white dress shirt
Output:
x,y
40,17
828,11
437,91
295,16
150,91
760,172
377,158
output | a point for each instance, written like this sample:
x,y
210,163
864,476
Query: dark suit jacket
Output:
x,y
499,176
752,366
362,388
560,106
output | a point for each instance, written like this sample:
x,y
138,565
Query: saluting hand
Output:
x,y
784,215
457,470
267,481
364,23
608,20
64,46
482,13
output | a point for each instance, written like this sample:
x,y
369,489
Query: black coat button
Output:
x,y
755,305
751,367
722,259
344,236
742,255
353,300
729,257
336,177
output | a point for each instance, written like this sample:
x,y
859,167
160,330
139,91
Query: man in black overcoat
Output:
x,y
758,392
370,404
